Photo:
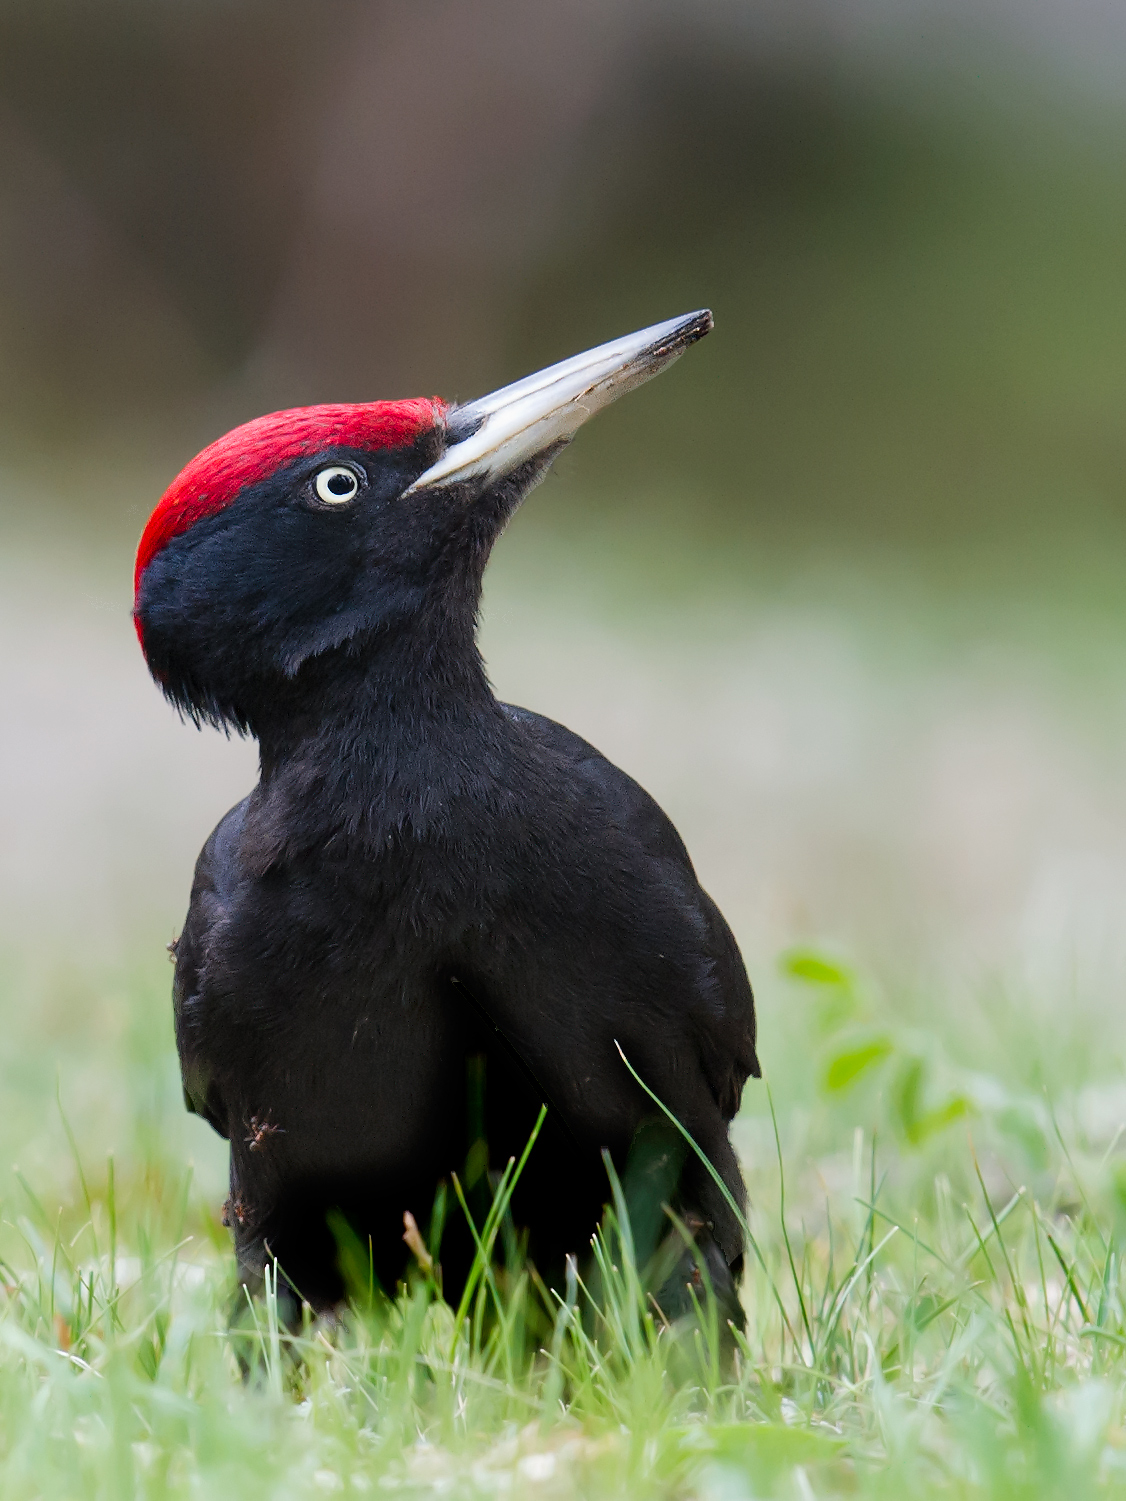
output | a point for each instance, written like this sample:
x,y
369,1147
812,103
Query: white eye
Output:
x,y
336,486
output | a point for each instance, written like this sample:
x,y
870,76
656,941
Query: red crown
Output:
x,y
258,449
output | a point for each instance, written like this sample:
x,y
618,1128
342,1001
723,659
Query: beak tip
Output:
x,y
697,325
675,336
679,333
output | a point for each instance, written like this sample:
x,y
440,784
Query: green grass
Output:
x,y
938,1308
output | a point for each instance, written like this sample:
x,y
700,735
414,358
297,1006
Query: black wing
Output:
x,y
728,1049
216,881
607,938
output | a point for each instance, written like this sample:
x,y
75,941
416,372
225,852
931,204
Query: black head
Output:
x,y
310,541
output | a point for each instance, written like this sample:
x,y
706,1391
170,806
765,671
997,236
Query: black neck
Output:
x,y
381,738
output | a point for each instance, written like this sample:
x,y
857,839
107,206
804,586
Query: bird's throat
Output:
x,y
370,746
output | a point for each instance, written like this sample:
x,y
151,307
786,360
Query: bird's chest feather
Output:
x,y
326,1006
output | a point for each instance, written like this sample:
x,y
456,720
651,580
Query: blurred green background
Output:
x,y
843,589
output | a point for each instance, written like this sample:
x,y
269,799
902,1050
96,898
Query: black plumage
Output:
x,y
426,887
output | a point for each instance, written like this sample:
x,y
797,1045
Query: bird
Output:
x,y
436,913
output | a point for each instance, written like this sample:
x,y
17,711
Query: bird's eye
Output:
x,y
336,486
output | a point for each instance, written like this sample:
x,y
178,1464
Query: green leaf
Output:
x,y
953,1109
846,1067
915,1122
804,964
